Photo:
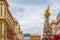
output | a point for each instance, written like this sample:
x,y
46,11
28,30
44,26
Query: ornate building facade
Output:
x,y
58,25
7,22
18,32
35,37
57,31
47,31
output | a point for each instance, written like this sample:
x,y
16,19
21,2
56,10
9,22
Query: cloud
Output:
x,y
30,13
32,2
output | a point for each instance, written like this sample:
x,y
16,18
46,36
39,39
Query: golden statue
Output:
x,y
47,14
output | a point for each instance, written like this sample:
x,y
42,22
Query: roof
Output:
x,y
26,35
59,14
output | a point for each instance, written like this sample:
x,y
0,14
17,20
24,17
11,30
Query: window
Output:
x,y
10,35
0,28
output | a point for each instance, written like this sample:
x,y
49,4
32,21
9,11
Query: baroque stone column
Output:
x,y
47,31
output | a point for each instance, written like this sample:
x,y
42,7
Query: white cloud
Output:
x,y
32,16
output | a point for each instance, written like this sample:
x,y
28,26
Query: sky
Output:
x,y
30,13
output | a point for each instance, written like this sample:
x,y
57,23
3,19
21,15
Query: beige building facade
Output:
x,y
6,22
8,26
18,32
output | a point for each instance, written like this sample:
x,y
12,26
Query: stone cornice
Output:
x,y
5,2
